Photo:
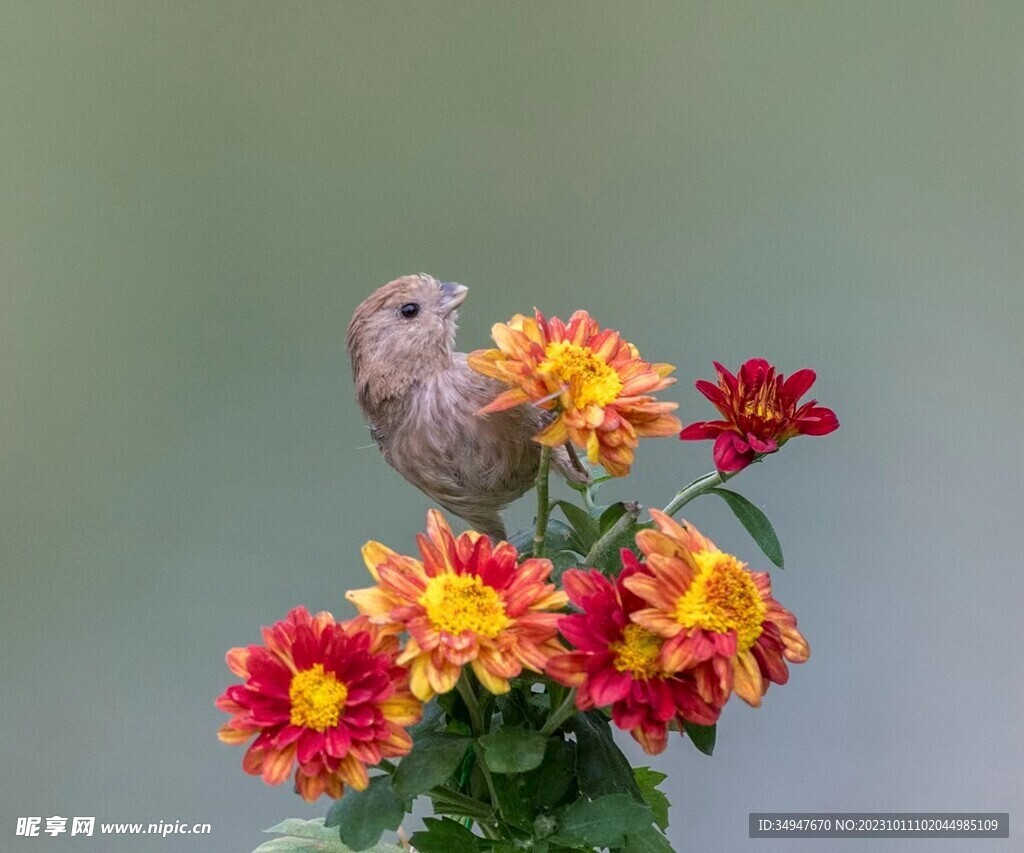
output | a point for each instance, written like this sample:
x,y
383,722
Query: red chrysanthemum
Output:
x,y
761,413
619,663
323,694
594,380
467,602
717,618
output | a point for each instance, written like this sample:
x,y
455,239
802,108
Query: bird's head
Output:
x,y
401,333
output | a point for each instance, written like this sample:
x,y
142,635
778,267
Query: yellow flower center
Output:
x,y
722,598
318,698
764,406
457,603
589,378
638,652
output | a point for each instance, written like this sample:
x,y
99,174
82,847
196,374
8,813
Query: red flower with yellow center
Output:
x,y
466,602
717,618
325,695
761,413
618,662
595,380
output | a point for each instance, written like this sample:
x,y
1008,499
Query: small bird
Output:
x,y
421,401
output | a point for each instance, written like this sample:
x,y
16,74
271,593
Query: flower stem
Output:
x,y
468,694
561,713
607,539
700,486
543,505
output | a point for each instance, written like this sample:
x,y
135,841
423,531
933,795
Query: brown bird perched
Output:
x,y
421,401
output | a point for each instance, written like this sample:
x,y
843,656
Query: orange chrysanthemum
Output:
x,y
594,379
718,618
326,695
466,602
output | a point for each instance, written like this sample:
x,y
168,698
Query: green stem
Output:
x,y
468,695
700,486
543,505
560,714
607,539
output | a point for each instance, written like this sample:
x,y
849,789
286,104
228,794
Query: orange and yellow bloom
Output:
x,y
761,413
324,695
717,618
618,663
465,602
595,380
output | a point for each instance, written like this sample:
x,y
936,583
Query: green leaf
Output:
x,y
433,760
604,822
600,765
647,840
514,799
703,737
443,836
431,721
458,714
562,560
585,527
610,515
756,523
554,778
513,750
311,836
522,541
648,780
559,537
362,816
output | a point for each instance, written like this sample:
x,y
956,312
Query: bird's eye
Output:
x,y
409,310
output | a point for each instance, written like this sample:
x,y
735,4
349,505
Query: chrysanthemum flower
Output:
x,y
716,617
467,602
618,662
761,413
325,695
595,380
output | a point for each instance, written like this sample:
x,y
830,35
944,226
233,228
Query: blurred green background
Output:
x,y
194,197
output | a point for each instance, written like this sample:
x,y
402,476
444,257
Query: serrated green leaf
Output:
x,y
362,816
756,523
601,768
311,836
648,840
300,828
513,750
604,822
703,737
648,781
443,836
585,527
433,760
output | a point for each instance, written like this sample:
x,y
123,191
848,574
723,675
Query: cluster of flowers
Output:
x,y
665,642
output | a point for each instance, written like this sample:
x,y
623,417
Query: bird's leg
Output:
x,y
574,460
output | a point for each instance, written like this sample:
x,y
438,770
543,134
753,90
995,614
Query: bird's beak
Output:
x,y
452,295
